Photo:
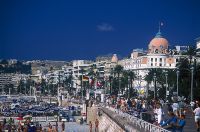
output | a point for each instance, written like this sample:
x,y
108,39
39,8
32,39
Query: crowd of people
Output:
x,y
168,115
11,126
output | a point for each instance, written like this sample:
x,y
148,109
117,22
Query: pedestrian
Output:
x,y
181,123
49,124
50,129
40,128
1,127
56,127
159,113
181,108
169,124
90,125
197,116
63,126
96,125
175,107
192,104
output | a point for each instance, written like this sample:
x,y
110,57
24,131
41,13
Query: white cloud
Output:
x,y
105,27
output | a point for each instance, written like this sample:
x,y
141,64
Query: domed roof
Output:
x,y
158,43
114,58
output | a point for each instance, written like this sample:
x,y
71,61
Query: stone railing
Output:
x,y
130,123
35,119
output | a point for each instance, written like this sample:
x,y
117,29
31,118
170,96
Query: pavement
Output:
x,y
69,126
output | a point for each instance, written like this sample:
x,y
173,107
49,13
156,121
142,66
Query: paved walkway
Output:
x,y
190,124
69,126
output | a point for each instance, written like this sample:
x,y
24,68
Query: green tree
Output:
x,y
9,86
21,87
184,66
118,69
68,83
161,80
43,86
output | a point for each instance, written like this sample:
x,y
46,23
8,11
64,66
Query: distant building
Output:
x,y
181,49
80,67
11,78
198,46
158,55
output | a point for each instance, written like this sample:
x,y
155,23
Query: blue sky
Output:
x,y
72,29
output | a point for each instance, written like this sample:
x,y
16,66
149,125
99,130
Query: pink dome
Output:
x,y
158,44
114,58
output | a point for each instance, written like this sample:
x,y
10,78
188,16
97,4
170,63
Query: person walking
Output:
x,y
96,125
196,113
40,128
63,126
175,107
159,113
90,125
50,129
181,123
56,127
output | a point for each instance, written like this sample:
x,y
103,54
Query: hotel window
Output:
x,y
160,59
155,59
160,64
151,64
151,59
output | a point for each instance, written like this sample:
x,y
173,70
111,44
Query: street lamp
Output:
x,y
110,79
154,77
128,87
192,73
166,85
177,80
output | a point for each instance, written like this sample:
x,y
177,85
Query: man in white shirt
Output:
x,y
159,113
175,108
197,116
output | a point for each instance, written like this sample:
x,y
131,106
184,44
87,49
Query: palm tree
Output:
x,y
118,69
184,66
161,80
93,74
197,79
68,82
124,82
43,86
9,88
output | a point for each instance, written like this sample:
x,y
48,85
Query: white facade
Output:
x,y
80,67
157,56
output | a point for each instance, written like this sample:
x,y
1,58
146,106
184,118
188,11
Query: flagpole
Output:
x,y
82,84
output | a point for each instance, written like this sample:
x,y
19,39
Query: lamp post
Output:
x,y
25,86
110,79
166,79
154,77
128,87
192,73
177,80
119,91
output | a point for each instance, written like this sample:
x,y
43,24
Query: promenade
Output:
x,y
127,122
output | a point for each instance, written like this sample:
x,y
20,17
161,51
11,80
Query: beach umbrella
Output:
x,y
19,118
27,116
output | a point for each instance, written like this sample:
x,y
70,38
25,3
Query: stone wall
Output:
x,y
108,121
